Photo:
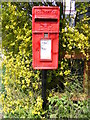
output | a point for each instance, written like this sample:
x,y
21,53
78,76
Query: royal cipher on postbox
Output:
x,y
45,37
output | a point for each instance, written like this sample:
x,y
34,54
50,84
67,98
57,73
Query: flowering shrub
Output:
x,y
21,93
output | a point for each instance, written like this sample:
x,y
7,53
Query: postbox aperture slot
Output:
x,y
45,20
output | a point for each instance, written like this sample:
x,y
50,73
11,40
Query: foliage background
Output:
x,y
21,85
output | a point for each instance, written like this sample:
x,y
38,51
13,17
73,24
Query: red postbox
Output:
x,y
45,37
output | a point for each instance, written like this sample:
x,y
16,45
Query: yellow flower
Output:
x,y
22,81
61,73
23,86
50,94
30,94
36,87
33,84
65,83
7,27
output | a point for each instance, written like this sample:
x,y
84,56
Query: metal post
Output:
x,y
44,77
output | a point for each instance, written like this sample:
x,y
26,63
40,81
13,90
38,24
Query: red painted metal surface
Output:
x,y
45,37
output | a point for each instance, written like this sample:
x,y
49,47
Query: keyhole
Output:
x,y
46,35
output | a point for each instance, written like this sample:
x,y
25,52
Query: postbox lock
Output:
x,y
46,35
